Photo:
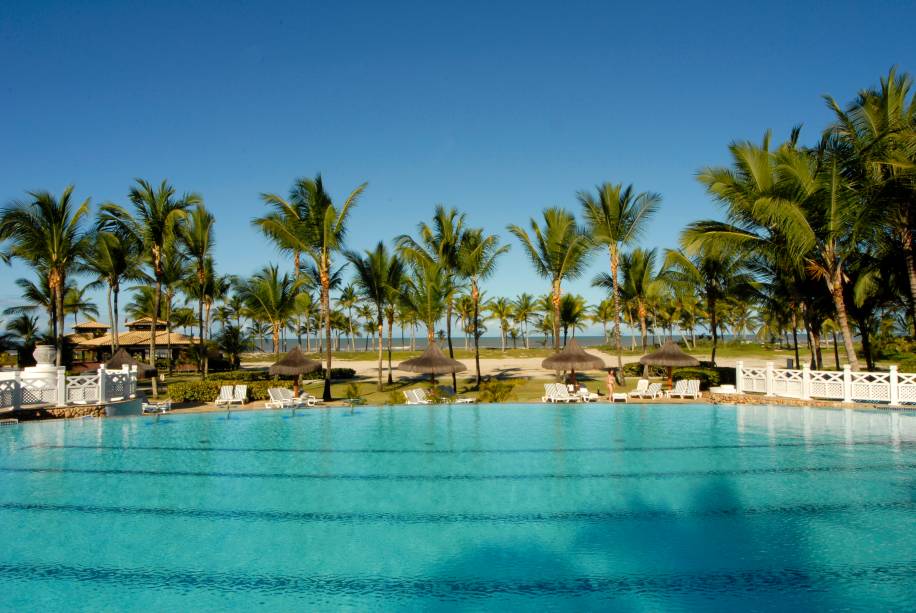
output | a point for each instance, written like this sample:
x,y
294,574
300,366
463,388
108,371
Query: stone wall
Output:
x,y
794,402
68,412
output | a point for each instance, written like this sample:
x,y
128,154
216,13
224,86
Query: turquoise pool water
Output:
x,y
644,508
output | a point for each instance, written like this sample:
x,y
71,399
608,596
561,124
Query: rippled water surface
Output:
x,y
644,508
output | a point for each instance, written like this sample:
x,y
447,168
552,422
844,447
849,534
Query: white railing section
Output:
x,y
892,387
22,388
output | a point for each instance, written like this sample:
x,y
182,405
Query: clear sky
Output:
x,y
497,108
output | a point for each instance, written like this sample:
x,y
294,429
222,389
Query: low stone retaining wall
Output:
x,y
794,402
70,412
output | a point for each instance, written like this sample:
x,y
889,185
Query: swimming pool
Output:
x,y
643,507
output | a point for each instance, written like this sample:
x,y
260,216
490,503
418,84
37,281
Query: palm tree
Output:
x,y
426,290
348,299
558,251
377,273
715,273
439,243
616,218
48,234
113,258
604,312
501,310
233,342
23,334
197,240
76,302
640,284
573,314
309,223
306,311
157,213
523,311
271,298
476,262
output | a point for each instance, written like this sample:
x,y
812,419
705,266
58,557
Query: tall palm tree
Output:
x,y
76,302
377,272
640,284
113,258
157,212
715,273
271,297
348,299
616,218
439,243
477,258
574,313
309,223
196,237
48,234
501,310
558,251
523,310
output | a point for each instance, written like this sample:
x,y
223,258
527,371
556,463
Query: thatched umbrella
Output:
x,y
669,356
121,358
294,363
573,358
432,362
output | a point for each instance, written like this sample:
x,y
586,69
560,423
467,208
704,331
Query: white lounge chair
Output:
x,y
585,395
417,396
282,398
619,397
226,395
447,392
239,394
641,386
156,407
686,388
653,391
557,392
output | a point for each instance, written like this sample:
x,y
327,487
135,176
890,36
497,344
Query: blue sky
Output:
x,y
499,109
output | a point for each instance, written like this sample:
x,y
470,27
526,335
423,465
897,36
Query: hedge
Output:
x,y
207,391
708,376
263,375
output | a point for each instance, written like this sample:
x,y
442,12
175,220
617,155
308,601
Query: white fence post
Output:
x,y
768,385
847,384
131,382
17,389
892,381
739,377
61,386
103,392
806,382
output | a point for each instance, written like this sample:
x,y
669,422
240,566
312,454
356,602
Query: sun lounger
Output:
x,y
641,386
226,395
585,395
156,407
653,391
447,392
239,394
619,397
282,398
685,388
417,396
557,392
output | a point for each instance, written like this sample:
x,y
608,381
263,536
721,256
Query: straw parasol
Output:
x,y
121,358
432,362
294,363
669,356
573,358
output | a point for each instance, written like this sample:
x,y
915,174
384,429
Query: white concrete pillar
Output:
x,y
739,376
894,392
103,381
806,382
847,383
61,386
768,385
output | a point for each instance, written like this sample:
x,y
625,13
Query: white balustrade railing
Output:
x,y
54,387
890,387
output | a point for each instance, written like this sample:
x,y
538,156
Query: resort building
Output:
x,y
92,340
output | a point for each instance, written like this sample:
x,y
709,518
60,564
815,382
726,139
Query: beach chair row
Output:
x,y
283,398
232,394
558,392
419,396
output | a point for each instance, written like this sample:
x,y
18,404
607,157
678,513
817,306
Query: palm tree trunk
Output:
x,y
275,333
713,324
207,331
556,314
200,337
111,318
643,328
352,343
157,297
836,291
475,298
326,308
448,336
114,322
390,333
615,256
59,336
910,262
795,338
836,349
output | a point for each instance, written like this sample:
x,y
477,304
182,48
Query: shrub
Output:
x,y
352,392
495,391
395,397
708,376
635,369
336,373
207,391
